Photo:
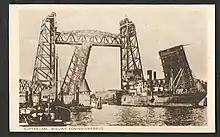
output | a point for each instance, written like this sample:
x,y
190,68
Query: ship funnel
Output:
x,y
155,75
149,74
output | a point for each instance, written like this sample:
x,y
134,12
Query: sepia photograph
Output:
x,y
112,68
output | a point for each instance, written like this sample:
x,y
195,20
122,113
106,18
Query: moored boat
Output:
x,y
80,108
44,115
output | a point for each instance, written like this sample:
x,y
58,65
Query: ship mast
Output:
x,y
56,78
171,81
77,96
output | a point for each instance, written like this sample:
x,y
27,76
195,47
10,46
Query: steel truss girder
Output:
x,y
95,37
77,69
27,85
44,67
131,66
79,61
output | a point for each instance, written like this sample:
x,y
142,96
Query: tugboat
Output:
x,y
48,115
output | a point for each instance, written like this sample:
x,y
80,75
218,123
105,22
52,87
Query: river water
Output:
x,y
111,115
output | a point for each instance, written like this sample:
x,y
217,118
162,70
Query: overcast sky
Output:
x,y
158,27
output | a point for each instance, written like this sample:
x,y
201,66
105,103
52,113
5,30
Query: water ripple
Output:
x,y
141,116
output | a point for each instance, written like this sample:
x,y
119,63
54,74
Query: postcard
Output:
x,y
112,68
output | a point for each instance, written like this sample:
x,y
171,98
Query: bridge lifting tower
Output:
x,y
44,73
44,67
131,66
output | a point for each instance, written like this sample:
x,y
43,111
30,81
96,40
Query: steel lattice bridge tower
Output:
x,y
44,76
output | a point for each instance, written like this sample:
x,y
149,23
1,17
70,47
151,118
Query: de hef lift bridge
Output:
x,y
46,61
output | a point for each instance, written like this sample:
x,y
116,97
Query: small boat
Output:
x,y
80,108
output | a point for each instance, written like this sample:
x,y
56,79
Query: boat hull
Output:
x,y
165,100
45,122
57,116
189,98
81,109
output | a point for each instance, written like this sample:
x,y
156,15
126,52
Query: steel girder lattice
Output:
x,y
27,85
131,67
79,61
173,60
77,69
24,85
95,37
44,67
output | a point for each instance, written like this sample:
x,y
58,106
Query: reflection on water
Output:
x,y
82,118
141,116
186,116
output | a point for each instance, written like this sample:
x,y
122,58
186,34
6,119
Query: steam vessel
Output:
x,y
179,87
